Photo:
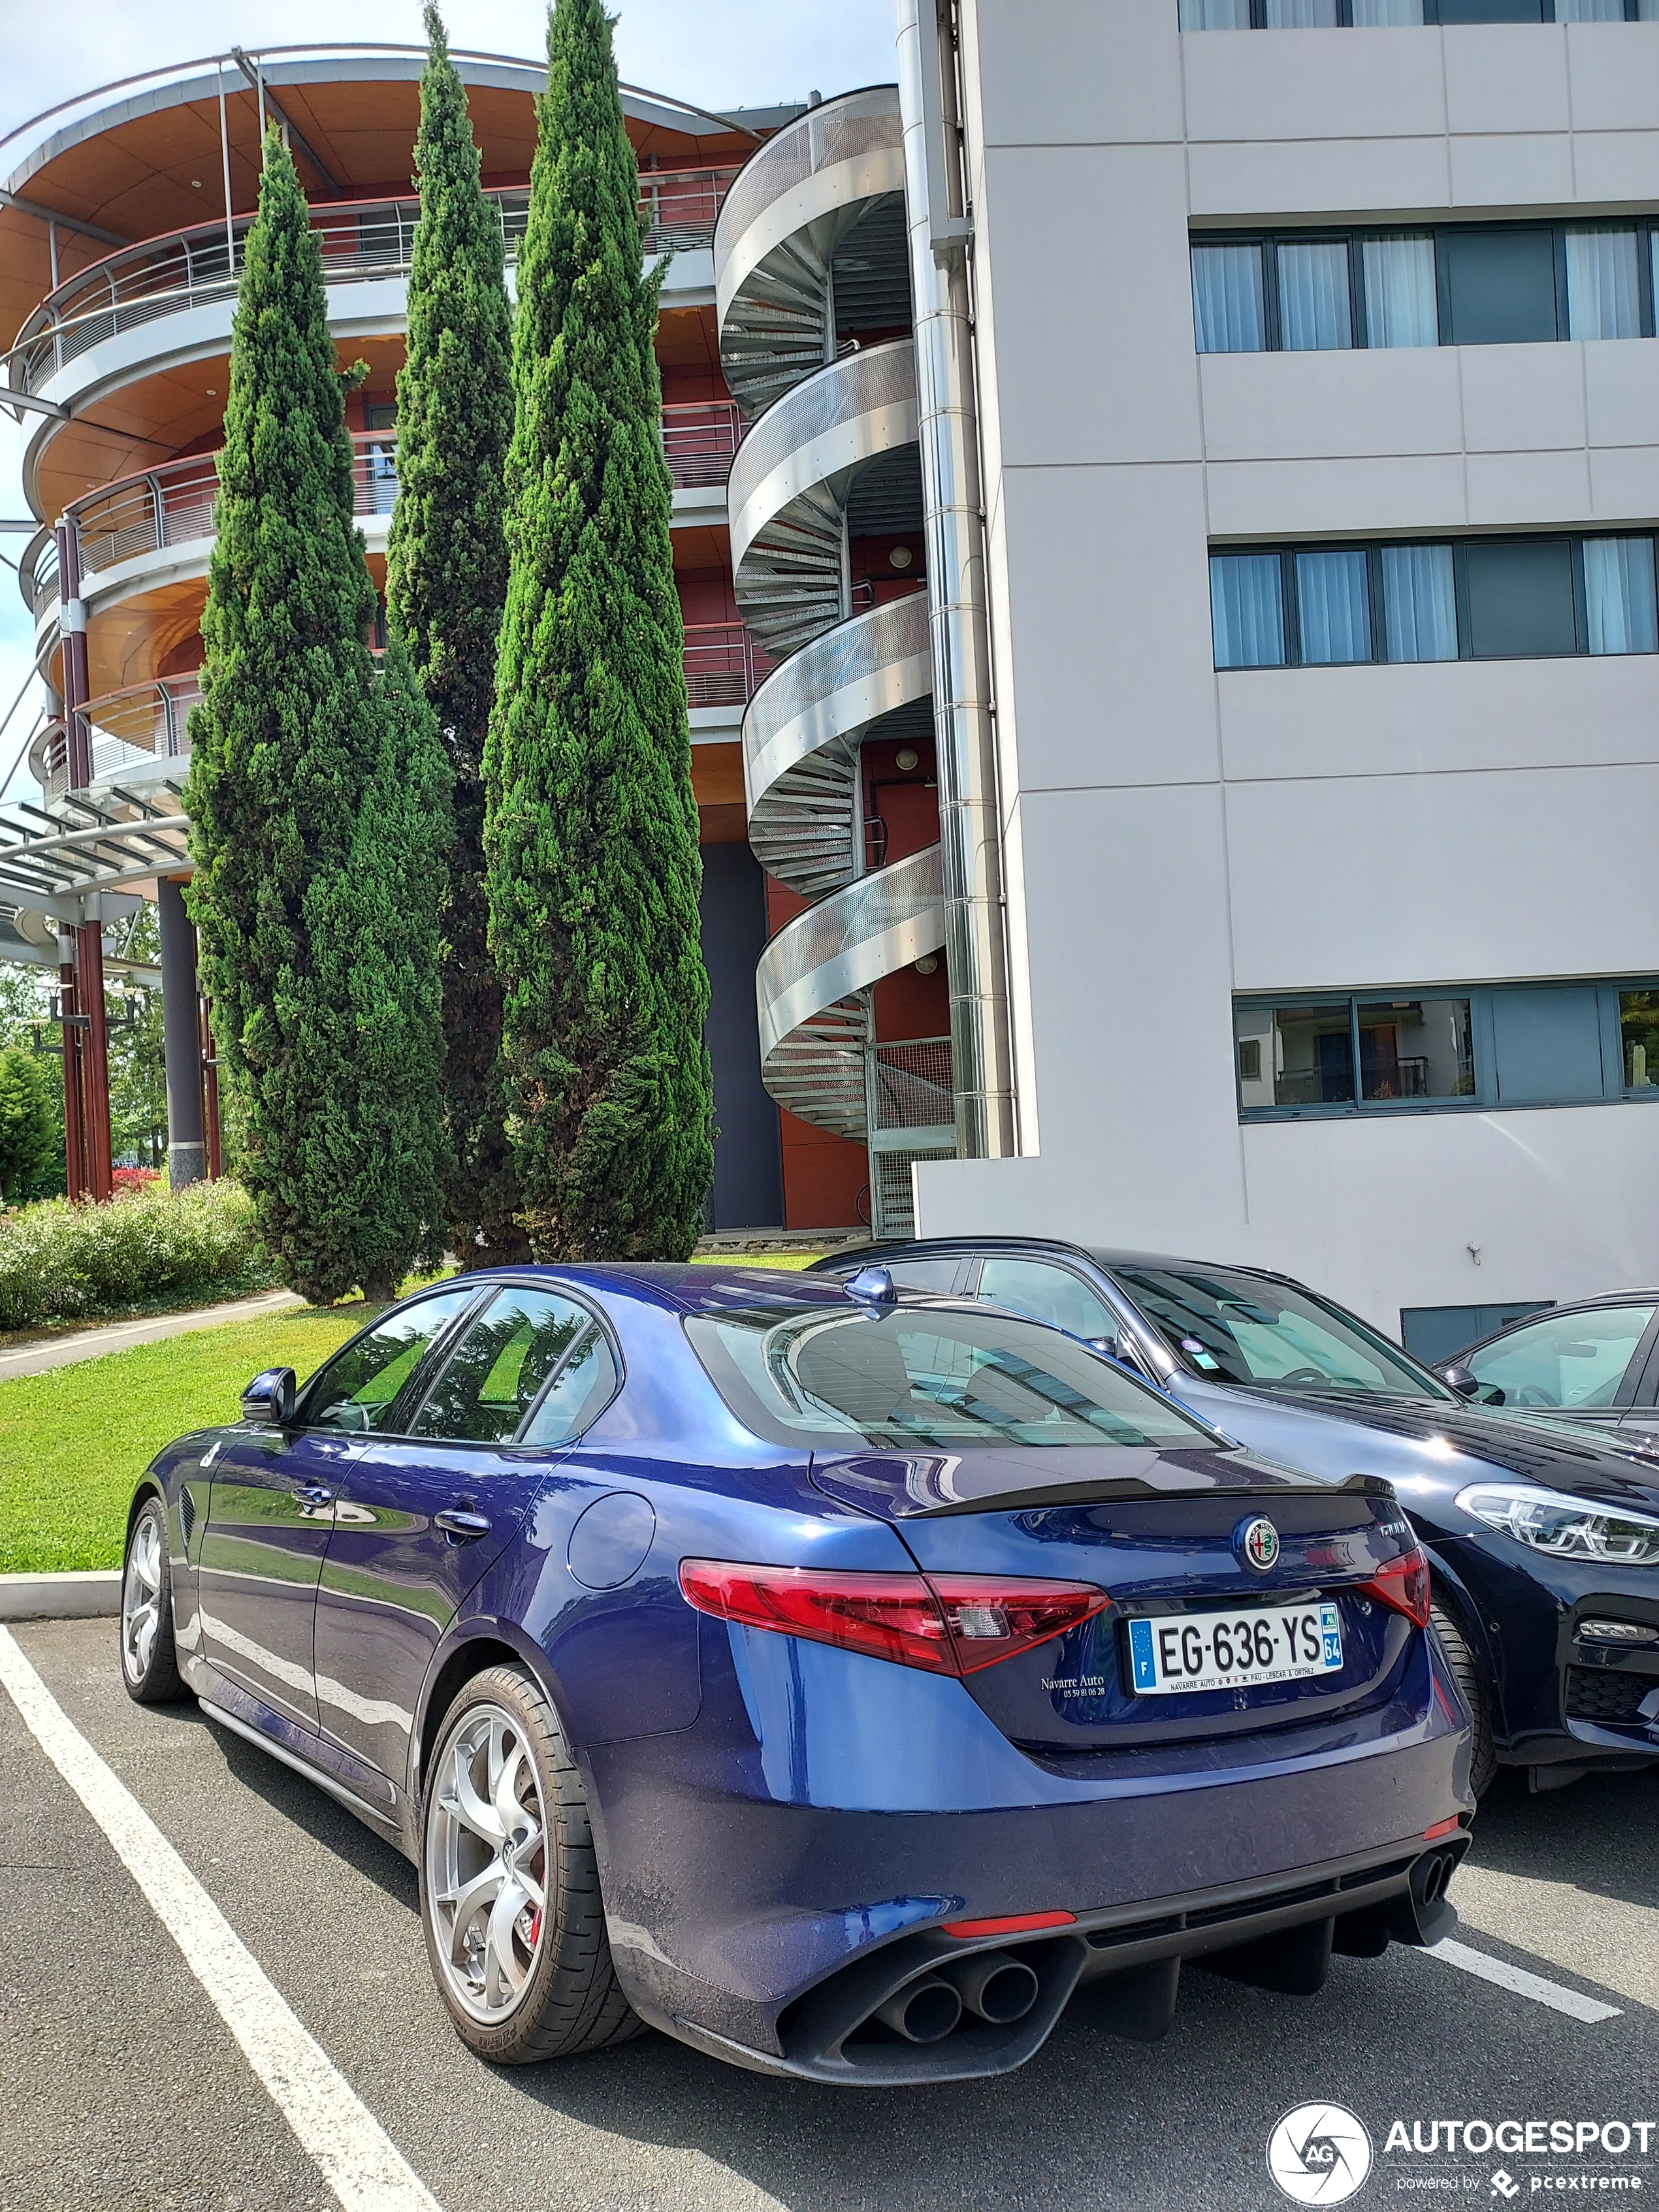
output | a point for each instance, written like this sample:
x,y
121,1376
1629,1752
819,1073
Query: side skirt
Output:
x,y
245,1716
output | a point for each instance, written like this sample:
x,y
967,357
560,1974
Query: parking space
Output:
x,y
136,2091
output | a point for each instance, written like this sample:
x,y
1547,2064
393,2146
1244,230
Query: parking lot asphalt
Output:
x,y
121,2086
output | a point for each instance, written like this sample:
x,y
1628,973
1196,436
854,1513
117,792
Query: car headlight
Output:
x,y
1566,1528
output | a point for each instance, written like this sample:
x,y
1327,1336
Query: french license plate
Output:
x,y
1174,1651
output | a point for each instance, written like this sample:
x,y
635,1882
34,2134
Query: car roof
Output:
x,y
1104,1255
691,1286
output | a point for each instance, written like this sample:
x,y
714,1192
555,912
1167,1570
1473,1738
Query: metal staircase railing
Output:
x,y
808,251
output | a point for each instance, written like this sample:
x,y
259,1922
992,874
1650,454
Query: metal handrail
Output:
x,y
724,664
141,721
847,942
699,439
361,240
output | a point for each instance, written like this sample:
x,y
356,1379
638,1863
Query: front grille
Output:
x,y
1605,1693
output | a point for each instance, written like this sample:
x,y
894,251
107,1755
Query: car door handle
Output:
x,y
314,1494
459,1522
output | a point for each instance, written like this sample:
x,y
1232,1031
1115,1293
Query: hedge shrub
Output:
x,y
59,1262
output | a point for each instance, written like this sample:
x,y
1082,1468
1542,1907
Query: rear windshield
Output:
x,y
925,1374
1241,1328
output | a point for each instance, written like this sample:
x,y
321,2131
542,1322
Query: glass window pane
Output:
x,y
1420,603
355,1390
1500,284
1619,607
1401,307
1046,1293
1215,14
1247,610
1299,15
1547,1044
1603,298
1638,1031
1520,599
1569,1360
1416,1048
1228,315
1491,11
1590,11
581,1390
496,1371
1381,14
1313,313
1243,1327
1334,606
1302,1055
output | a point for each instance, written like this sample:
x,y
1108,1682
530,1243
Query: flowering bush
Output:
x,y
136,1178
59,1260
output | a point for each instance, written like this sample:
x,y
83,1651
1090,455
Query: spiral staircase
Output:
x,y
810,282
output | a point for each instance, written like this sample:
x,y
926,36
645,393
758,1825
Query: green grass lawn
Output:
x,y
73,1442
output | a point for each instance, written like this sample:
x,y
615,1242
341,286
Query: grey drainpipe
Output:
x,y
975,946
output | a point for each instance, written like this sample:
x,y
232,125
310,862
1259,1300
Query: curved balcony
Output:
x,y
794,479
138,734
801,737
779,230
362,242
814,1023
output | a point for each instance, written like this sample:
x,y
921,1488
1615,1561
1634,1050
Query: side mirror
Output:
x,y
1461,1378
270,1396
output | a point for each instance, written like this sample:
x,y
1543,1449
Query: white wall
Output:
x,y
1177,836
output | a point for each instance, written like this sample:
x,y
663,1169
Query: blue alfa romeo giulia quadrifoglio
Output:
x,y
837,1680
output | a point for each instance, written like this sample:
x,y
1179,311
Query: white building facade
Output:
x,y
1319,413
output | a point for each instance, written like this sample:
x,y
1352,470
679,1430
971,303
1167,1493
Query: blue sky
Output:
x,y
747,52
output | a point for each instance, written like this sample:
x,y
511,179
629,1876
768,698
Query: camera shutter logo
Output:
x,y
1258,1545
1319,2154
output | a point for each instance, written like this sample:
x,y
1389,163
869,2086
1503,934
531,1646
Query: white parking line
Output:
x,y
1523,1983
358,2159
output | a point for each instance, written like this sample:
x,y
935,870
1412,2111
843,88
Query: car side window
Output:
x,y
1047,1293
359,1386
1561,1359
581,1391
496,1373
939,1276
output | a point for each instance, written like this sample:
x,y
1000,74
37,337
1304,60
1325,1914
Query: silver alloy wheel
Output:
x,y
141,1597
486,1863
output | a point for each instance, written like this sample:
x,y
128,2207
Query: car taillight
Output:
x,y
947,1624
1404,1585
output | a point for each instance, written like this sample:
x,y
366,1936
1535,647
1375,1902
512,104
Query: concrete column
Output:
x,y
186,1152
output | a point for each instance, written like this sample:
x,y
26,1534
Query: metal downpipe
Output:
x,y
975,946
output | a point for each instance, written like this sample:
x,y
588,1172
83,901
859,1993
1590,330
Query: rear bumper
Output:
x,y
739,1891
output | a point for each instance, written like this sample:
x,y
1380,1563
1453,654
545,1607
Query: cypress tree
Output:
x,y
314,888
591,831
446,584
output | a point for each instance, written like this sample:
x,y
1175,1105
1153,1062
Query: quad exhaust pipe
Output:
x,y
990,1985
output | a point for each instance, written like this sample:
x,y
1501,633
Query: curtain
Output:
x,y
1618,595
1590,11
1334,607
1215,14
1313,313
1227,311
1380,15
1419,606
1246,611
1603,296
1400,305
1300,15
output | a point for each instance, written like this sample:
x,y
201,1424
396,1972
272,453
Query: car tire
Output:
x,y
149,1659
535,1982
1483,1759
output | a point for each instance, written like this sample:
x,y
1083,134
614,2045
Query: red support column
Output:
x,y
210,1091
89,962
76,1182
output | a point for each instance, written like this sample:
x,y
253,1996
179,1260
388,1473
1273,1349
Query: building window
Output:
x,y
1457,284
1376,15
1446,1049
1247,608
1471,598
